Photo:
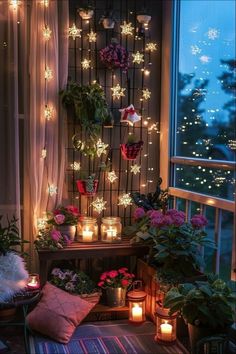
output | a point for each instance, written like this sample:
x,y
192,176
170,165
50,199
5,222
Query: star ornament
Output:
x,y
135,169
92,36
52,190
74,32
48,74
75,166
85,64
125,200
47,33
111,176
101,148
48,112
129,115
117,91
204,59
127,29
99,205
146,94
151,47
213,33
138,57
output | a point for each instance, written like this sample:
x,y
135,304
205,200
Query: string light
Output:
x,y
85,64
125,200
92,36
52,190
15,4
45,2
127,28
74,32
99,205
42,222
47,33
101,148
48,112
135,169
76,166
138,57
151,46
48,74
111,176
117,91
44,153
146,94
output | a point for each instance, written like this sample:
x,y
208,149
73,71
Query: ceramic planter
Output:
x,y
68,230
87,188
86,14
131,151
108,23
116,297
144,19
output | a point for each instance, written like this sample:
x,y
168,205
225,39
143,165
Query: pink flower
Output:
x,y
55,235
59,219
101,283
198,221
113,273
124,282
155,214
72,209
122,270
56,211
167,220
139,213
157,221
103,276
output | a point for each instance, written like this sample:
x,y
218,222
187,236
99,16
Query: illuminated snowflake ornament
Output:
x,y
74,32
138,57
48,74
195,49
129,115
101,148
151,47
85,64
204,59
48,111
111,176
135,169
146,94
117,91
92,36
125,200
127,28
99,205
52,190
76,166
47,33
213,33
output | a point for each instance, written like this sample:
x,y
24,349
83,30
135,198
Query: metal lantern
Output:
x,y
88,229
137,299
165,326
33,282
111,229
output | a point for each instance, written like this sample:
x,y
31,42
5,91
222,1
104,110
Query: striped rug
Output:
x,y
117,337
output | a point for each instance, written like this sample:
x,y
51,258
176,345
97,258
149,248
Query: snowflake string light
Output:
x,y
75,166
146,94
125,200
44,153
232,144
99,205
48,75
85,64
135,169
74,32
195,49
213,33
92,36
47,33
204,59
101,147
127,28
52,190
48,112
117,91
111,176
138,57
151,47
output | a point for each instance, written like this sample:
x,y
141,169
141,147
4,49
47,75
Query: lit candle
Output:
x,y
137,313
166,332
33,282
87,235
111,233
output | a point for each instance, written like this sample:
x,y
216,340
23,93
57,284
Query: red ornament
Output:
x,y
131,151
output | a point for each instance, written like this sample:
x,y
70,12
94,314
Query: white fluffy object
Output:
x,y
13,275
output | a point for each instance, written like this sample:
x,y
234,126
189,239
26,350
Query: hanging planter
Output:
x,y
114,56
107,20
131,149
87,187
86,13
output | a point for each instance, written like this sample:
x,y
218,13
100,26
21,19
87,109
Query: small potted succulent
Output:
x,y
108,20
86,12
131,149
87,186
206,306
114,56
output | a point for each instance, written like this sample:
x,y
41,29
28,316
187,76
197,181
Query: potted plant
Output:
x,y
65,219
52,239
86,12
87,186
114,56
116,283
108,20
206,306
131,149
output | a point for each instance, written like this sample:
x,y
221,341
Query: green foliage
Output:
x,y
9,235
132,139
208,303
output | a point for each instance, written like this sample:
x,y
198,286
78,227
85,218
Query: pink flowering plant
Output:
x,y
174,243
52,239
116,279
67,215
114,56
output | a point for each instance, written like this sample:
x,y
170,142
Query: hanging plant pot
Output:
x,y
108,23
86,14
131,151
87,187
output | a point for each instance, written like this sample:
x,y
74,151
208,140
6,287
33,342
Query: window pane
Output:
x,y
206,80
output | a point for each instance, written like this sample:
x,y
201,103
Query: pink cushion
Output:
x,y
58,313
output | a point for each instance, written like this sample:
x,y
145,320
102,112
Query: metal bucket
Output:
x,y
116,297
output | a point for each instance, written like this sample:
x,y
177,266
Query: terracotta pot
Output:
x,y
131,151
68,230
116,297
83,187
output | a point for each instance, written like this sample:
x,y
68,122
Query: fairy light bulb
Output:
x,y
45,3
48,112
52,190
48,75
47,33
14,4
44,153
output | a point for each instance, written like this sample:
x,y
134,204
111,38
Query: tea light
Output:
x,y
166,326
111,233
166,331
111,229
87,235
137,299
33,282
137,313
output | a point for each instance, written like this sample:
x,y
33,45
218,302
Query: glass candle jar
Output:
x,y
165,326
111,229
137,299
88,229
33,282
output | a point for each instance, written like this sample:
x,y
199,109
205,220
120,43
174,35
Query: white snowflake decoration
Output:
x,y
117,91
205,59
135,169
92,36
125,200
85,64
195,49
213,33
138,57
99,205
74,32
111,176
101,147
127,28
146,94
52,190
75,166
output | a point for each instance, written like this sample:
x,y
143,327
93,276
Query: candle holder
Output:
x,y
88,229
111,229
165,326
33,282
137,299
